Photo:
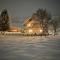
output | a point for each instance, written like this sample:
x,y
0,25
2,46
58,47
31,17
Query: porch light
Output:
x,y
41,30
30,31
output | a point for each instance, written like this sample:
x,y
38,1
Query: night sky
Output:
x,y
25,8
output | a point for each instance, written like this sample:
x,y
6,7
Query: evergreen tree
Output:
x,y
4,20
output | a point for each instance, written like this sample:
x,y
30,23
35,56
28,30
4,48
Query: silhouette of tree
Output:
x,y
54,23
4,20
43,17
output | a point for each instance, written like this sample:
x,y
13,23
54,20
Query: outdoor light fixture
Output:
x,y
41,30
30,31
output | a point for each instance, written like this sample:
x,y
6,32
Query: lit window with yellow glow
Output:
x,y
14,30
28,25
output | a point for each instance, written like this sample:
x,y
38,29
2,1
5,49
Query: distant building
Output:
x,y
14,29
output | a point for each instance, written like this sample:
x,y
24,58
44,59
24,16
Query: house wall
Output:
x,y
32,30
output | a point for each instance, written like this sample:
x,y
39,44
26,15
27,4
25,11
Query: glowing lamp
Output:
x,y
41,30
30,31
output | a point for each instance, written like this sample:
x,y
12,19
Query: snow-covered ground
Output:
x,y
29,48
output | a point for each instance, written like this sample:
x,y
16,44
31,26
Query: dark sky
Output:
x,y
25,8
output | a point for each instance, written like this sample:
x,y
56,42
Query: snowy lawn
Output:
x,y
29,48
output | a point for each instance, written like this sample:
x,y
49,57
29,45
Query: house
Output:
x,y
34,25
15,29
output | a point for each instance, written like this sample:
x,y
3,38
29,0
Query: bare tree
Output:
x,y
54,23
43,17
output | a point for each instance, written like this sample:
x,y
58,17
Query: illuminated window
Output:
x,y
28,25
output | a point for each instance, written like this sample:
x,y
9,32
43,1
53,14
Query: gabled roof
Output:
x,y
27,21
